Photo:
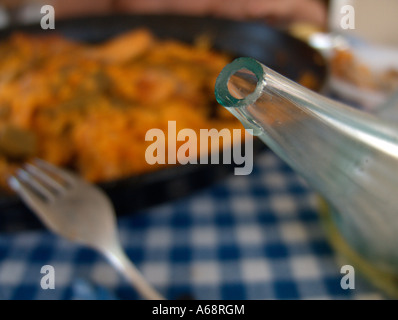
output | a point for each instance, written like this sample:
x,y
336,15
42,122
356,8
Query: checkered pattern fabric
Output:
x,y
247,237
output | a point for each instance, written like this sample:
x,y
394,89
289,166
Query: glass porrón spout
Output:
x,y
348,156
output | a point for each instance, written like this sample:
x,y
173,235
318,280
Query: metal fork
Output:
x,y
78,211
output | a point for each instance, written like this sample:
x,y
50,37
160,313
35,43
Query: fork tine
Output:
x,y
41,175
27,194
35,185
14,183
63,174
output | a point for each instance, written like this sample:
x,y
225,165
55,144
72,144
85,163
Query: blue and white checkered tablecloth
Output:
x,y
247,237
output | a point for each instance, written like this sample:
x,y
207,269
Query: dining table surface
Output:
x,y
244,237
256,236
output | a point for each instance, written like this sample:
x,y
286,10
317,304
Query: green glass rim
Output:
x,y
221,91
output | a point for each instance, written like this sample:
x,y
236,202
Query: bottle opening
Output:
x,y
240,83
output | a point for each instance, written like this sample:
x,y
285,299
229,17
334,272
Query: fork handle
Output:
x,y
119,259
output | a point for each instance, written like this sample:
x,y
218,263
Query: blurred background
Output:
x,y
197,232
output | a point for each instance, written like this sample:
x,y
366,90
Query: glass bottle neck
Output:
x,y
348,156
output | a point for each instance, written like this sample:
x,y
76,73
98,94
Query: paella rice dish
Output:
x,y
88,106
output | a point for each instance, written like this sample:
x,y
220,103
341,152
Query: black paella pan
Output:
x,y
275,49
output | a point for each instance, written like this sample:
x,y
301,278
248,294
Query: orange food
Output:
x,y
346,66
90,106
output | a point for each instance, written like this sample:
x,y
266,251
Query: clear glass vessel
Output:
x,y
349,157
